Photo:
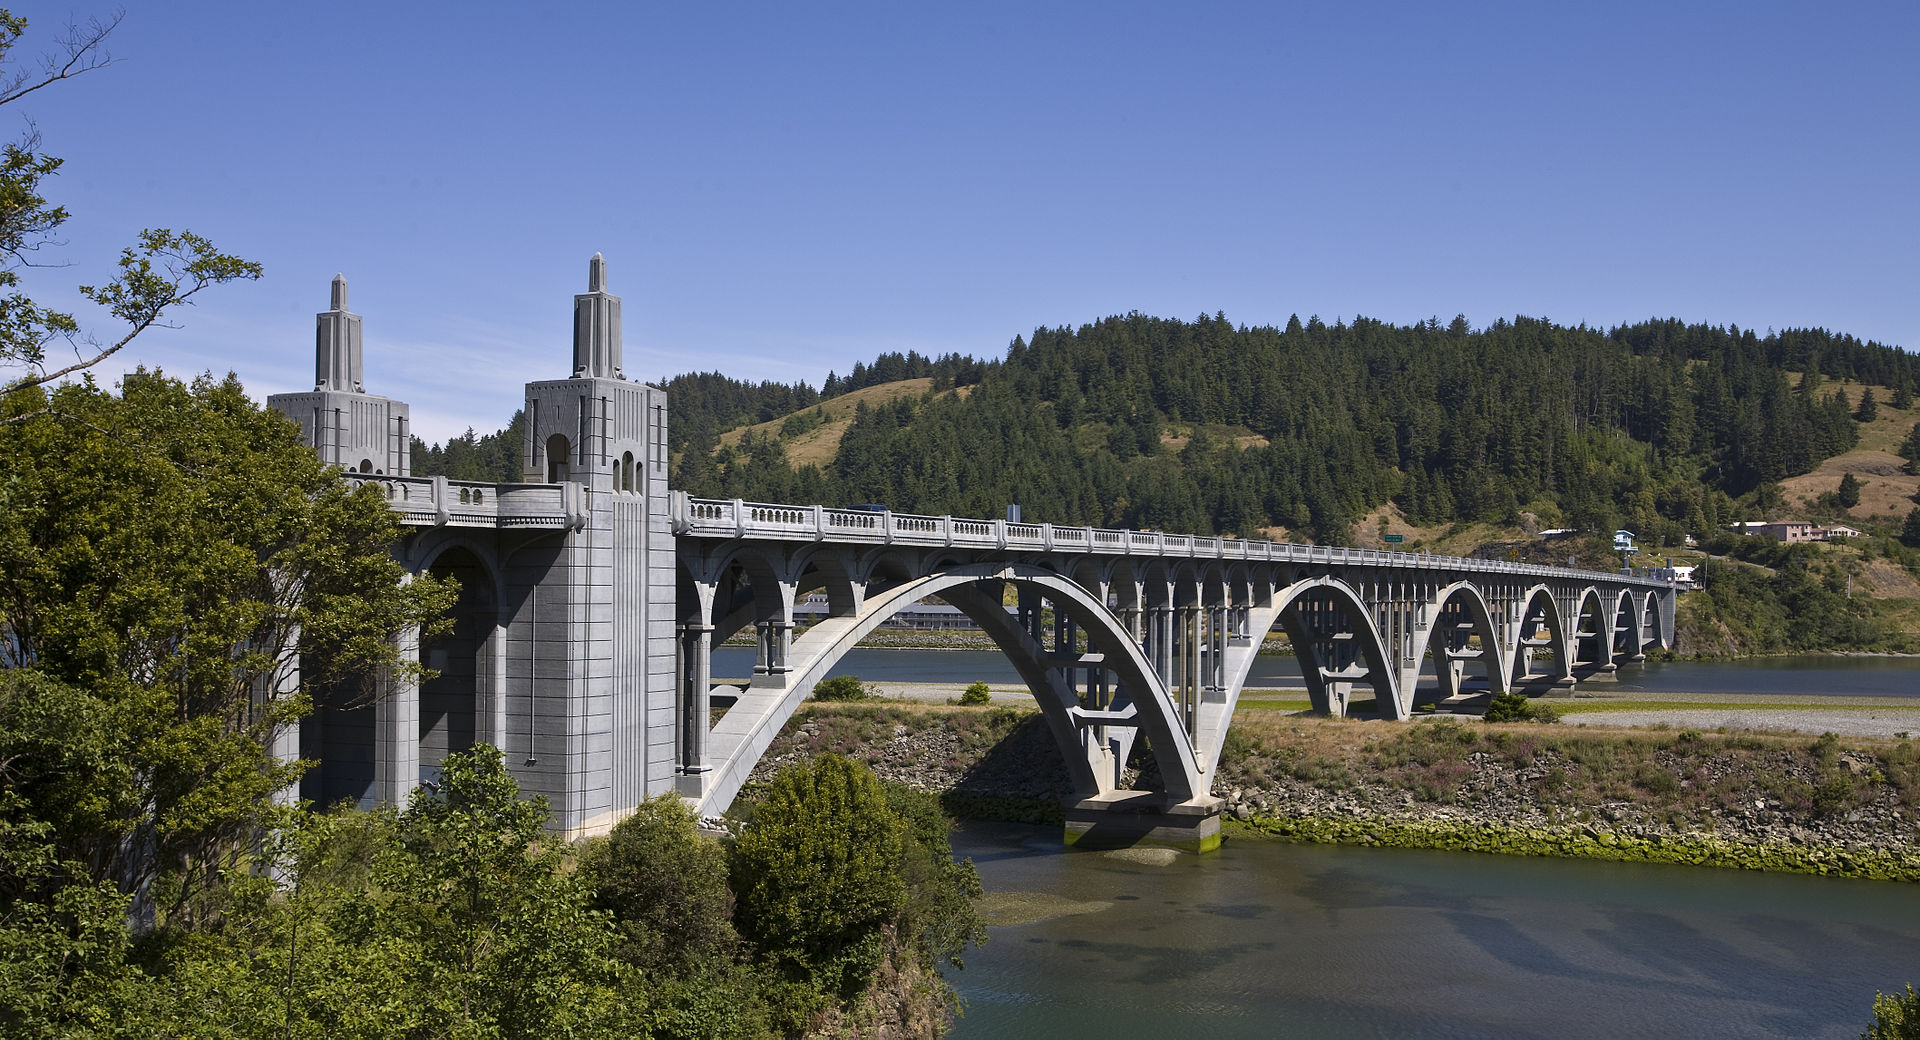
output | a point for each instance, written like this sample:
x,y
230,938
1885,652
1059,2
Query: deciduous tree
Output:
x,y
161,272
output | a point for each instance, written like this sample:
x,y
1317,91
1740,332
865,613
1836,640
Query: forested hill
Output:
x,y
1208,427
1205,426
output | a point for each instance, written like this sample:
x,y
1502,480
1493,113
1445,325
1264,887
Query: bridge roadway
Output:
x,y
592,596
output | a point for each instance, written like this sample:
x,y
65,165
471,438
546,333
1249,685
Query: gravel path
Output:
x,y
1850,722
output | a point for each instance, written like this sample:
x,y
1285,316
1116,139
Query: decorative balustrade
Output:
x,y
437,502
714,518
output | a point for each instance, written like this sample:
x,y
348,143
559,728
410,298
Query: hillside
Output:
x,y
1450,437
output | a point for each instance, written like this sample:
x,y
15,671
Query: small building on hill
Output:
x,y
1788,530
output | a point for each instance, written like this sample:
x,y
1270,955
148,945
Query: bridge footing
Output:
x,y
1125,819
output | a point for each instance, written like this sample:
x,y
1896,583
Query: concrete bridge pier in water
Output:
x,y
593,596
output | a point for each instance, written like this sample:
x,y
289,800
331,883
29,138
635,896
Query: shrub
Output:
x,y
841,688
977,693
665,885
818,880
1509,707
1895,1017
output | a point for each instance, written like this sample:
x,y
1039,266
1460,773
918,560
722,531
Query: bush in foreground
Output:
x,y
1895,1017
817,878
842,688
1515,707
976,694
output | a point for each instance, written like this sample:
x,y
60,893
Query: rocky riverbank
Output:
x,y
1766,801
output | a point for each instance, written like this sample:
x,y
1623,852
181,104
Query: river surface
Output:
x,y
1798,676
1266,939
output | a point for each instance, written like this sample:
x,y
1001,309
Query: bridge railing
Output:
x,y
733,518
439,502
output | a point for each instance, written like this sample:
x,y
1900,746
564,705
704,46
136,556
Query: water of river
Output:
x,y
1266,939
1798,676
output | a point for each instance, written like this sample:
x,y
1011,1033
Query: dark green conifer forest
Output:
x,y
1658,426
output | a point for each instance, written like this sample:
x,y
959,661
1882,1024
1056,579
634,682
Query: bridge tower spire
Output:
x,y
338,355
344,424
596,327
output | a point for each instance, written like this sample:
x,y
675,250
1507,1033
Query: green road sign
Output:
x,y
1393,538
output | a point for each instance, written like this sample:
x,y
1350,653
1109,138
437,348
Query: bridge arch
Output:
x,y
1590,642
1448,660
1312,610
1651,631
1626,643
1539,609
743,735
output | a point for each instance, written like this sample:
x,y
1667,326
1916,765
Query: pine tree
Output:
x,y
1849,491
1869,409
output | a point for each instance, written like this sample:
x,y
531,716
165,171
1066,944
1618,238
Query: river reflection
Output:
x,y
1266,939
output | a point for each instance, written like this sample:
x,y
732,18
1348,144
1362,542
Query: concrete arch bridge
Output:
x,y
592,596
1122,634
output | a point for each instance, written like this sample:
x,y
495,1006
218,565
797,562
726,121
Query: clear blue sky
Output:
x,y
785,189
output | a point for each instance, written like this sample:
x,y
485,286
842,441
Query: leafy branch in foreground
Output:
x,y
161,272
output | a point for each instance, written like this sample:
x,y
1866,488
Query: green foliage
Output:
x,y
1910,530
452,919
494,457
164,554
1658,425
817,877
157,275
1511,707
977,693
1869,409
667,886
1802,605
939,911
842,688
1895,1017
1848,493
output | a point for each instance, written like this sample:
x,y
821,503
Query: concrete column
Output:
x,y
696,680
776,643
492,724
396,730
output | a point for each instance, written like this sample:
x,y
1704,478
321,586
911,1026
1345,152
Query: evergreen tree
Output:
x,y
1869,409
1848,494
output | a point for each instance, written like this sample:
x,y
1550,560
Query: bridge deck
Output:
x,y
724,518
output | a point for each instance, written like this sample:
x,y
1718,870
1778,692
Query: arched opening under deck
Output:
x,y
451,701
1093,741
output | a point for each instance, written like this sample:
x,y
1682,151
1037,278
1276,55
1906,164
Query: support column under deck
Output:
x,y
696,680
396,719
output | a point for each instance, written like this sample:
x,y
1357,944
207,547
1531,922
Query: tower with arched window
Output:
x,y
609,584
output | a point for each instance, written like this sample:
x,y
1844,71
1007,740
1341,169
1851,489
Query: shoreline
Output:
x,y
1752,798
